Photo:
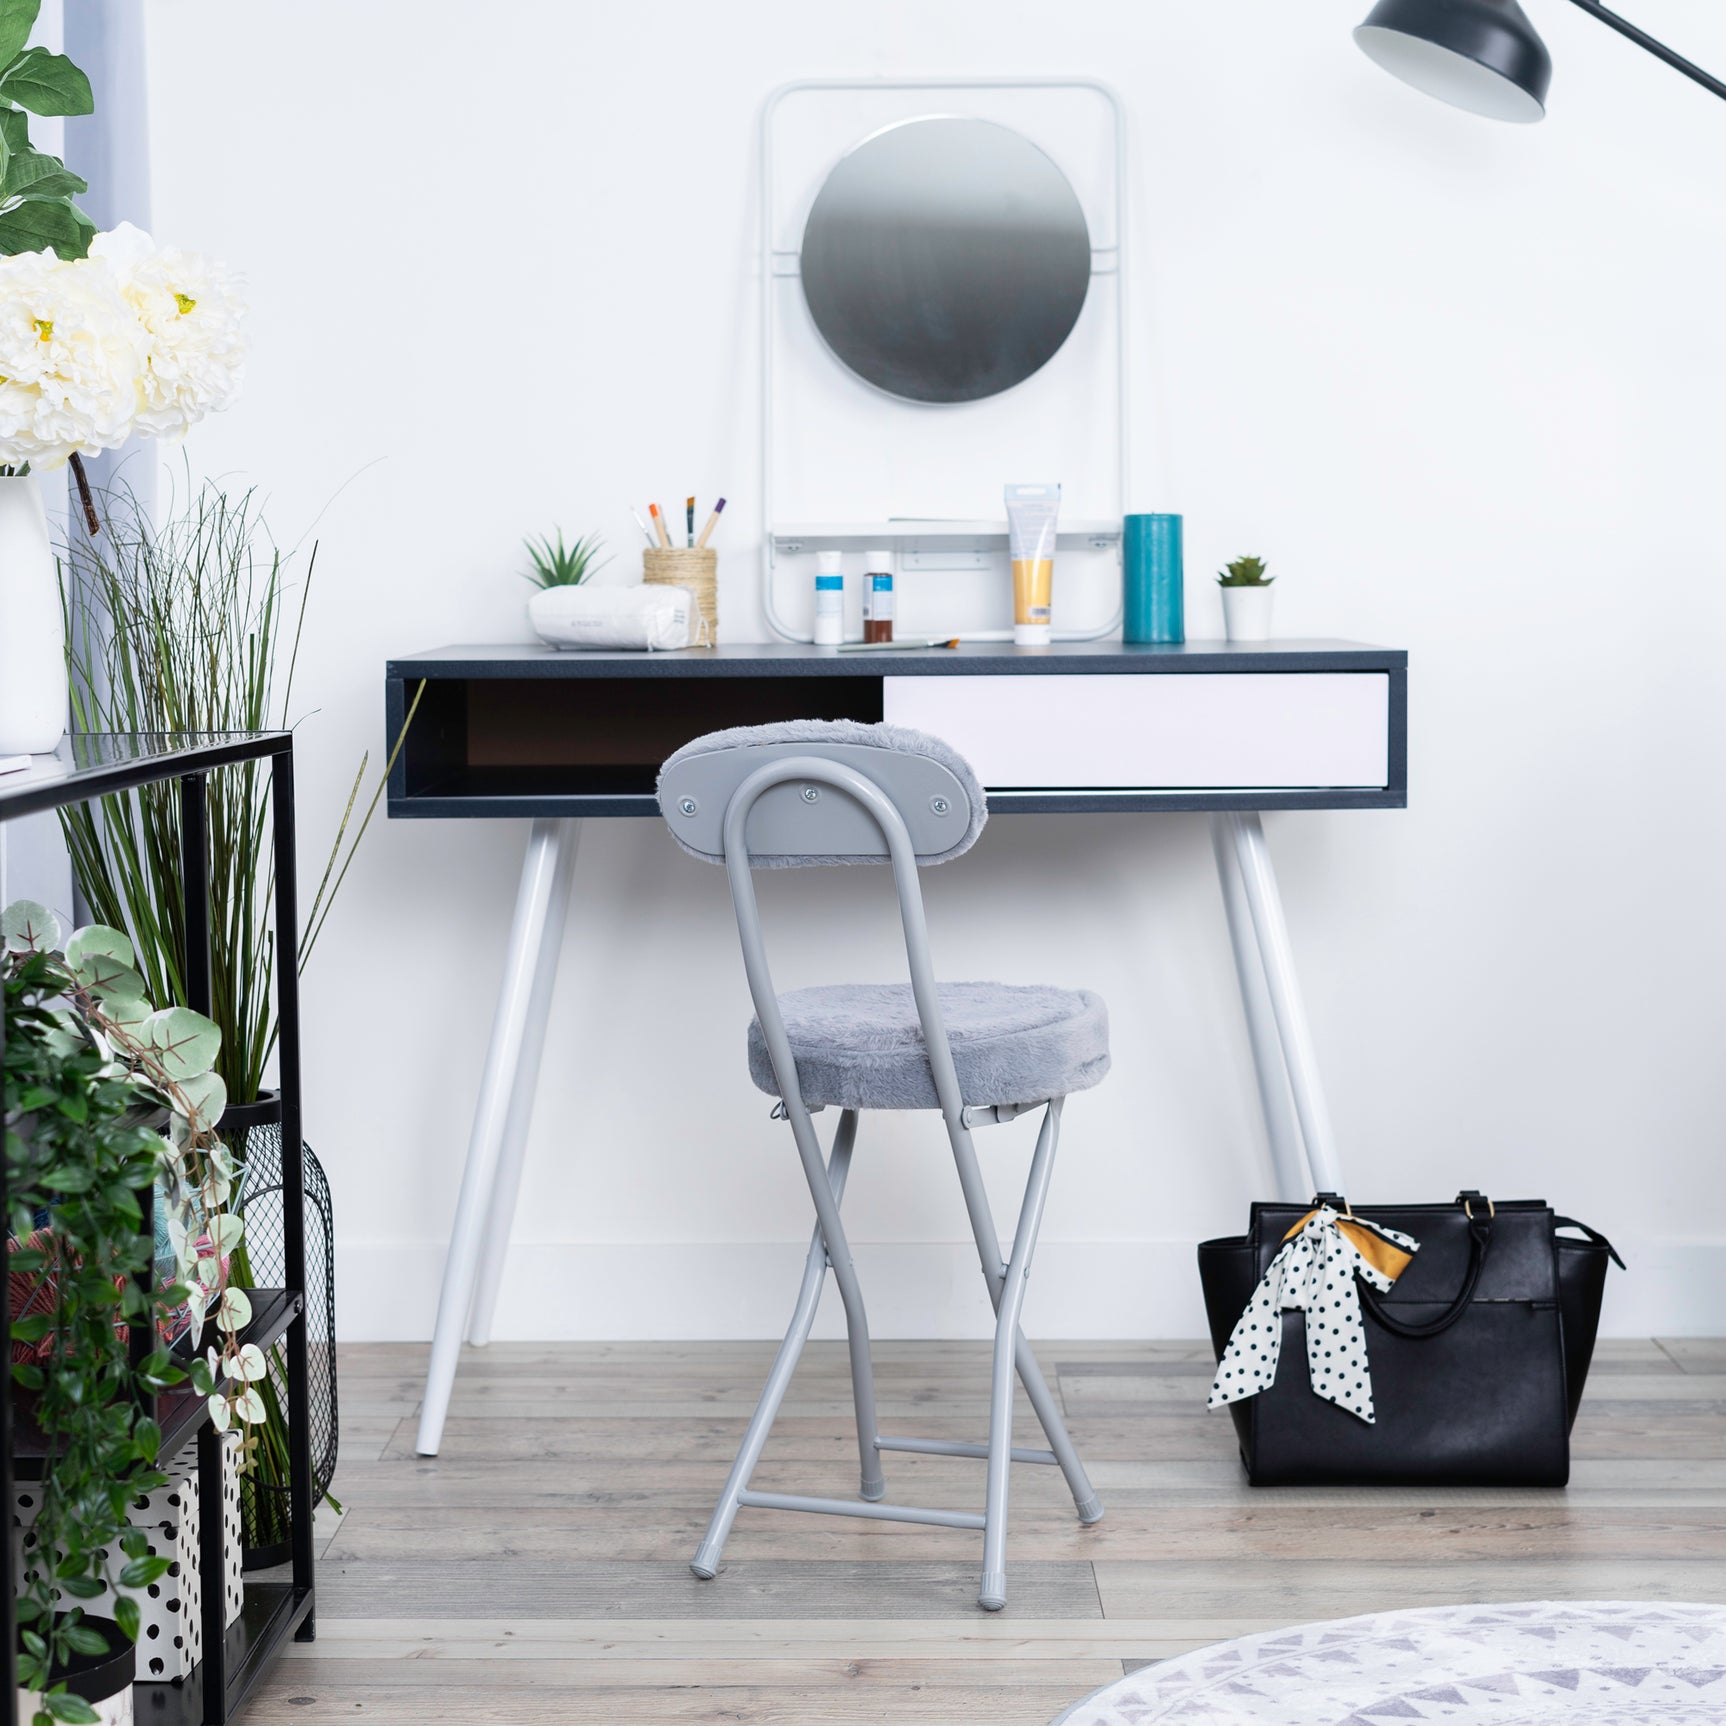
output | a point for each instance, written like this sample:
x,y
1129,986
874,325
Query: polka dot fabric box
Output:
x,y
170,1640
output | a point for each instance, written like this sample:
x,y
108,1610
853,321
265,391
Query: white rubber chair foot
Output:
x,y
1091,1510
993,1594
873,1491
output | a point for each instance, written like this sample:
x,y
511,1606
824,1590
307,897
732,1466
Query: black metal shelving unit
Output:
x,y
88,766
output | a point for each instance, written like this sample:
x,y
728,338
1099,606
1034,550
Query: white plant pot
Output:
x,y
116,1710
1247,612
32,642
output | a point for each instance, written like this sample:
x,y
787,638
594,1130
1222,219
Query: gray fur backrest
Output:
x,y
929,782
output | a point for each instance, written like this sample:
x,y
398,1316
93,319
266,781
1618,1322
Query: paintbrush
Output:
x,y
689,519
712,523
659,526
899,645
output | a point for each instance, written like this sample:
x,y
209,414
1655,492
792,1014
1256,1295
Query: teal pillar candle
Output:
x,y
1154,576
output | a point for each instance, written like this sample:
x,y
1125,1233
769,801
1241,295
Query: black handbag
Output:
x,y
1478,1353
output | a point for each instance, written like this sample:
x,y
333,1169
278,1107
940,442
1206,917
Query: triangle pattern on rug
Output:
x,y
1631,1675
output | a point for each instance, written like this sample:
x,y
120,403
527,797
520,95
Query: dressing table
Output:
x,y
557,738
944,308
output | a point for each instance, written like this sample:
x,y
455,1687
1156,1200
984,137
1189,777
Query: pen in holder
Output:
x,y
693,567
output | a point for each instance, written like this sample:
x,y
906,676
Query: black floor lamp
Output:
x,y
1484,55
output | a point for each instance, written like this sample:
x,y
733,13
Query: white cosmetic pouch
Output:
x,y
639,617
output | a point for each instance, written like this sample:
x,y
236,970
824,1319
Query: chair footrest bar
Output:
x,y
856,1507
946,1447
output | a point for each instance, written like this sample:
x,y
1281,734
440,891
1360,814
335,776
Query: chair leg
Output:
x,y
992,1596
872,1486
1048,1411
705,1564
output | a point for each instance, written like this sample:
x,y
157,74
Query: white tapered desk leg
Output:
x,y
1259,880
1282,1129
509,1034
512,1156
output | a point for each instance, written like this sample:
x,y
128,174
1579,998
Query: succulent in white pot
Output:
x,y
1246,591
571,610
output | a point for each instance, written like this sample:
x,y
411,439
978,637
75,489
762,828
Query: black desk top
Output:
x,y
517,730
974,658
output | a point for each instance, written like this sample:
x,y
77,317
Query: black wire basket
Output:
x,y
254,1132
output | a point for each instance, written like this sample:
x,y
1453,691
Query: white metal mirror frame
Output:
x,y
777,263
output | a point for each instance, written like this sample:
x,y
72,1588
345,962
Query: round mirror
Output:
x,y
946,260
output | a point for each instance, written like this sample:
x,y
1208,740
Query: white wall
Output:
x,y
1458,382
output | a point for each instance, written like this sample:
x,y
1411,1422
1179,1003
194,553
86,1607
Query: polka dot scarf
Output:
x,y
1314,1273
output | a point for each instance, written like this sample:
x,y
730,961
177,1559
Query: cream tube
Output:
x,y
1032,511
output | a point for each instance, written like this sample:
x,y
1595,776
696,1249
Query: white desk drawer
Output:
x,y
1175,730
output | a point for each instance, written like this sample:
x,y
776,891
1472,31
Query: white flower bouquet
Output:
x,y
132,340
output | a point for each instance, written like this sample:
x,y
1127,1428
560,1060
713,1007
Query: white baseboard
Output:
x,y
638,1291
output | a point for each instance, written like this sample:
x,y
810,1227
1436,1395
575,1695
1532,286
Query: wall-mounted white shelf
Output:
x,y
933,544
905,533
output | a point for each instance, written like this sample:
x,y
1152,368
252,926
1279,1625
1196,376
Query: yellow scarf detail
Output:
x,y
1388,1259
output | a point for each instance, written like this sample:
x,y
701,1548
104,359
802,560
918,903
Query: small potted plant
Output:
x,y
557,567
1246,593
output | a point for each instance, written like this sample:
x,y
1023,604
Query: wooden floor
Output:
x,y
536,1570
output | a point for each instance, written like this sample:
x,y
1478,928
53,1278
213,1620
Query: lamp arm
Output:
x,y
1658,49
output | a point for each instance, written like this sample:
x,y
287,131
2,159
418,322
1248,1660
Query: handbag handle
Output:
x,y
1479,1240
1594,1235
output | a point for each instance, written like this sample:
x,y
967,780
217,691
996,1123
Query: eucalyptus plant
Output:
x,y
73,1146
89,1068
167,1058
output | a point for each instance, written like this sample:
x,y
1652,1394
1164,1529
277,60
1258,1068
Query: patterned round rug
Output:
x,y
1609,1663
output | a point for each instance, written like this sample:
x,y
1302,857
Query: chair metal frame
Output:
x,y
830,1250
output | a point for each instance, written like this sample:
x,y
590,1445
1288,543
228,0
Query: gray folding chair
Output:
x,y
820,792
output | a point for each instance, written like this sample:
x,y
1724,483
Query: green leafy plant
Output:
x,y
1244,572
89,1067
37,190
558,565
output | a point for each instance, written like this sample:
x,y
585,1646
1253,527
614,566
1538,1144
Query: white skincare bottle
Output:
x,y
829,599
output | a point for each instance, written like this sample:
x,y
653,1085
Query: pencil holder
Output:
x,y
691,567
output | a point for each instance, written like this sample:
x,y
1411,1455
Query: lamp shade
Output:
x,y
1482,55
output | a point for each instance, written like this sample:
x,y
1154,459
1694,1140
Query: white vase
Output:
x,y
1247,612
32,640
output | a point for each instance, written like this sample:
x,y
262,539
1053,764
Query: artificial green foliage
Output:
x,y
558,565
87,1062
1244,572
204,637
37,211
77,1150
197,605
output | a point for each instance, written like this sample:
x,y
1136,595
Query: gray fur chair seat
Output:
x,y
860,1046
